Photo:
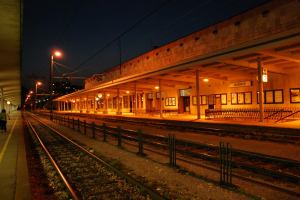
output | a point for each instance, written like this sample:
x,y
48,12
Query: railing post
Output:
x,y
225,164
93,130
141,143
119,136
78,125
84,127
104,132
172,150
73,123
68,122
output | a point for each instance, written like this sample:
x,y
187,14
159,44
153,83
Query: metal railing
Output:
x,y
172,148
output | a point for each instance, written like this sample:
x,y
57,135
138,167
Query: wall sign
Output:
x,y
241,84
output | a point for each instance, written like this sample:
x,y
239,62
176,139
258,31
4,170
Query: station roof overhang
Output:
x,y
10,32
279,53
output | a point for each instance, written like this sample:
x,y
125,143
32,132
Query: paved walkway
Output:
x,y
188,117
14,182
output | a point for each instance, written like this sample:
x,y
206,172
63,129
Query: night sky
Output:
x,y
80,28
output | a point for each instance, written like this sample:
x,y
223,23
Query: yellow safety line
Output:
x,y
6,141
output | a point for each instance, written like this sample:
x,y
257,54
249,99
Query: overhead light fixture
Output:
x,y
127,92
156,87
108,95
205,80
8,102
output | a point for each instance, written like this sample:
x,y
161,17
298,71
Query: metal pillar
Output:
x,y
105,103
136,99
260,90
118,102
198,95
160,99
95,103
85,104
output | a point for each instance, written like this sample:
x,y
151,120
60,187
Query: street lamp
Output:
x,y
36,86
56,54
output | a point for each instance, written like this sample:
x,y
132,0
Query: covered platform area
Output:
x,y
244,69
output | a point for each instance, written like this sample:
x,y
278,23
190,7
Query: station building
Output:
x,y
245,67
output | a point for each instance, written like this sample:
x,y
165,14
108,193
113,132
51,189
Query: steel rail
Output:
x,y
154,195
67,184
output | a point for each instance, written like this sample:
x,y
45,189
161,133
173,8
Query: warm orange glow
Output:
x,y
108,95
30,92
39,83
156,87
8,102
205,80
97,99
100,95
127,92
57,54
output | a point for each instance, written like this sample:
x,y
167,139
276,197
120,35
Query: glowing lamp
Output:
x,y
39,83
57,54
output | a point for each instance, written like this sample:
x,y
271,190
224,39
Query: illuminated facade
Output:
x,y
222,65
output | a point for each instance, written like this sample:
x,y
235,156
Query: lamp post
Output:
x,y
57,54
36,86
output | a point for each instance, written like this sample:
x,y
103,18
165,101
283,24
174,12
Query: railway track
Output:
x,y
85,175
246,164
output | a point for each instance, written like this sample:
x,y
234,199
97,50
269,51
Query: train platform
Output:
x,y
14,178
291,124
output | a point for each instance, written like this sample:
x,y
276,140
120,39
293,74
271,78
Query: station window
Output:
x,y
224,99
170,101
241,98
202,99
295,95
272,96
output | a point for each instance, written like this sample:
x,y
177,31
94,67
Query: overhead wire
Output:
x,y
79,67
